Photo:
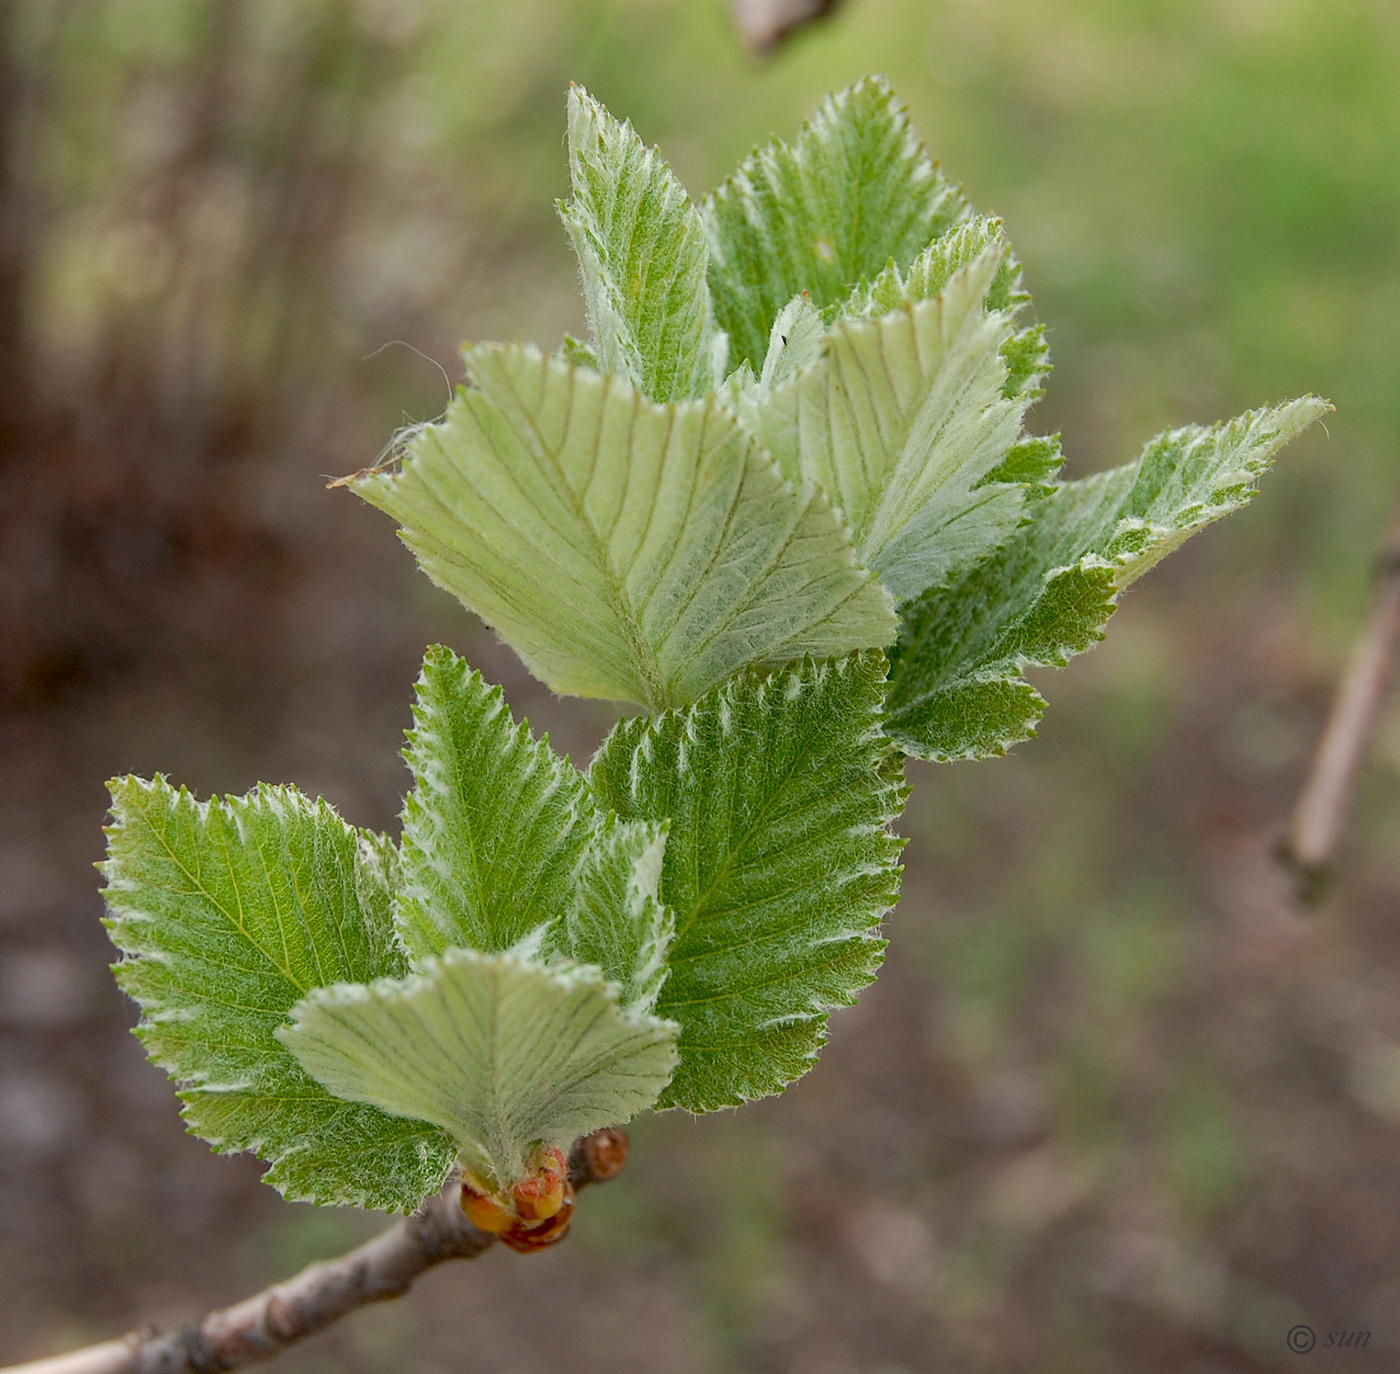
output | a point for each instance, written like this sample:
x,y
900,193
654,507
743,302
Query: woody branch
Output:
x,y
264,1325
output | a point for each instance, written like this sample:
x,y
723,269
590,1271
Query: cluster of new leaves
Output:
x,y
784,499
359,1013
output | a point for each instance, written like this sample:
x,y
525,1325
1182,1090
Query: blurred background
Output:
x,y
1114,1104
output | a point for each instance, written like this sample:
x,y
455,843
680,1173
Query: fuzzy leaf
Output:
x,y
228,913
614,918
901,424
778,864
956,689
797,341
1024,352
622,548
642,254
855,191
496,825
496,1050
935,266
578,353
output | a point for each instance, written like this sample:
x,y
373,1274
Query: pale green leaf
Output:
x,y
956,689
578,353
896,286
1025,354
797,341
829,212
642,254
614,918
496,1050
496,825
778,866
902,424
623,549
229,912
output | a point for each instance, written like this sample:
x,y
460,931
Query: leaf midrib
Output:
x,y
656,690
284,971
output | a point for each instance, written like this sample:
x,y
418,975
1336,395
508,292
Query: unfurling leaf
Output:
x,y
778,864
831,211
956,689
497,1051
614,918
1026,357
902,423
641,251
228,913
496,825
622,548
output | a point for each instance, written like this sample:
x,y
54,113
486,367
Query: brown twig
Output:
x,y
263,1326
1325,800
766,24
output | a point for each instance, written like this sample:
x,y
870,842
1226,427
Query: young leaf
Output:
x,y
614,918
229,912
622,548
498,1051
1025,354
496,825
778,864
829,212
956,689
642,254
578,353
927,275
797,341
1032,462
901,424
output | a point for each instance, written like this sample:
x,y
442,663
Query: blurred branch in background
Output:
x,y
1325,801
765,25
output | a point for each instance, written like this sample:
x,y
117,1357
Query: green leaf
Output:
x,y
614,918
902,423
1183,480
956,689
642,254
229,912
797,341
497,823
578,353
829,212
496,1050
778,865
622,548
1032,462
1025,354
931,271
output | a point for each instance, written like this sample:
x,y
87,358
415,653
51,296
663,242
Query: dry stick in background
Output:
x,y
1326,796
263,1326
765,25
